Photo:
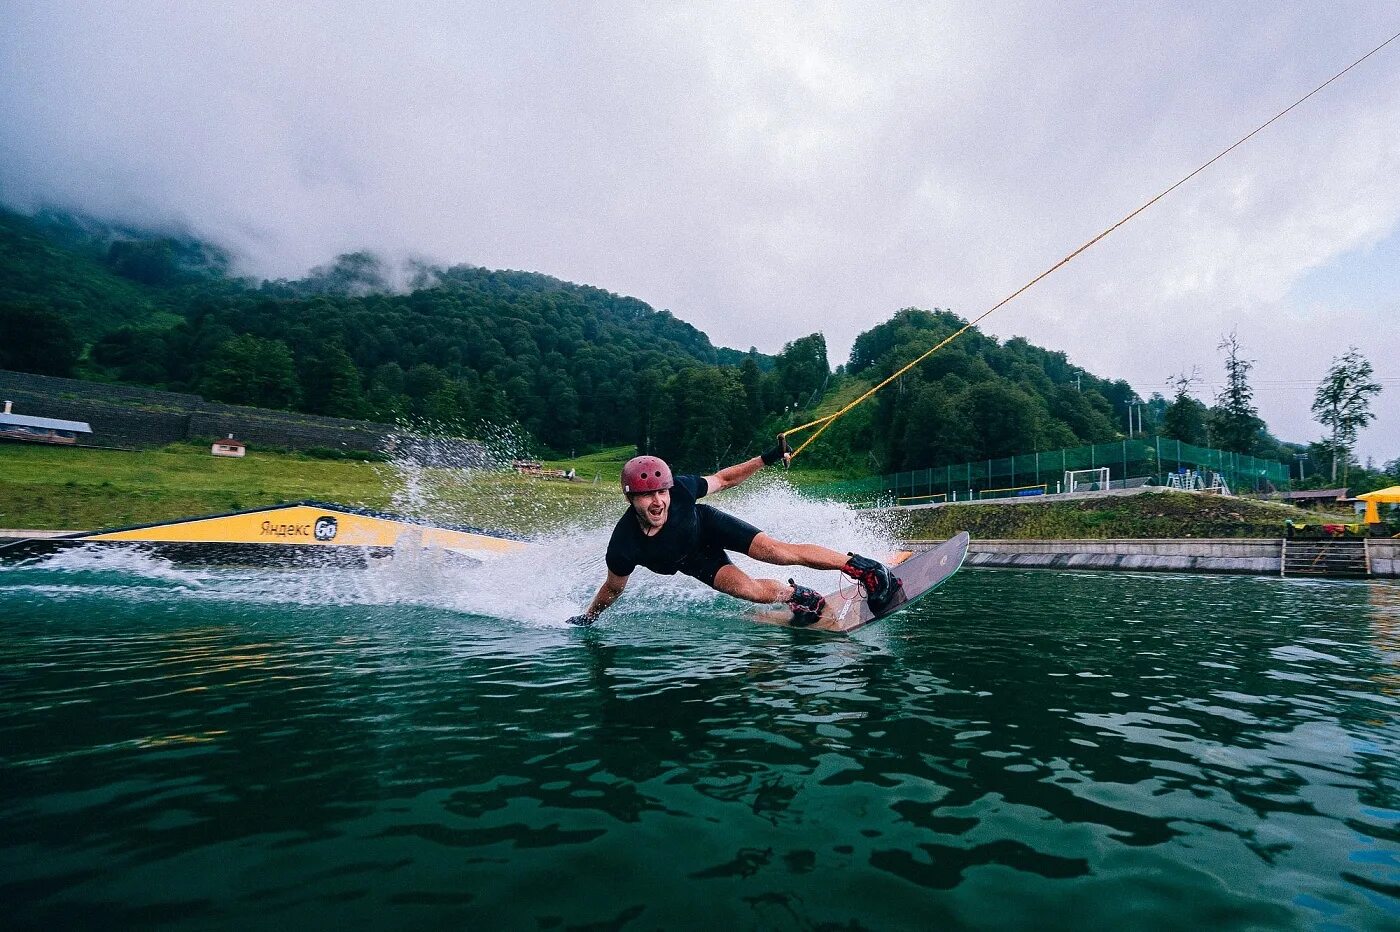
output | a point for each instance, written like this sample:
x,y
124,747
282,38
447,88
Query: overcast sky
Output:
x,y
767,170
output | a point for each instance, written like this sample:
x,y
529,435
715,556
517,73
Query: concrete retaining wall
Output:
x,y
1385,558
1218,555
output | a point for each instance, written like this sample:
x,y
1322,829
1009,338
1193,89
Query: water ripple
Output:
x,y
1098,750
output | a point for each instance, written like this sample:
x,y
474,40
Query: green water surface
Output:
x,y
1021,750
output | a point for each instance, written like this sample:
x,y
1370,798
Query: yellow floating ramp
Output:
x,y
305,531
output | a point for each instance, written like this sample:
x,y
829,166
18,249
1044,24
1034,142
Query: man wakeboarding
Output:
x,y
668,532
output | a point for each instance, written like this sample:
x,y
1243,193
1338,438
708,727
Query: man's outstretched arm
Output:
x,y
731,476
607,594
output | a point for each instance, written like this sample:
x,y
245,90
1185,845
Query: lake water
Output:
x,y
416,747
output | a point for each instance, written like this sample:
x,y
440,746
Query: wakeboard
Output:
x,y
919,574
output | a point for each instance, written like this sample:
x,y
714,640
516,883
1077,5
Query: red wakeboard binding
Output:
x,y
806,605
875,578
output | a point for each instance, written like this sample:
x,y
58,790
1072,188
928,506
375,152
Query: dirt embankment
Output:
x,y
1149,515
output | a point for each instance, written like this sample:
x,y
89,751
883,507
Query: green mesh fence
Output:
x,y
1129,462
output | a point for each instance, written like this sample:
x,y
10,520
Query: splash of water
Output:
x,y
428,464
559,572
433,479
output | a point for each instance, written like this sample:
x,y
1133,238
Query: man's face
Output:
x,y
652,507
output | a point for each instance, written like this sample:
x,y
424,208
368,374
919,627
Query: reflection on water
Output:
x,y
1023,750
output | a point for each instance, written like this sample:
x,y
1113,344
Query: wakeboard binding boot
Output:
x,y
875,578
806,605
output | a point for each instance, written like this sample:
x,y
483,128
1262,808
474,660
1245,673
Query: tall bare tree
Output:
x,y
1237,423
1343,404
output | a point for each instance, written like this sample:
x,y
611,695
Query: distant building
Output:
x,y
229,447
537,470
40,429
1318,498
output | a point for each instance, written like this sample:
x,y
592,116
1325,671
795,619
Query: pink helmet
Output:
x,y
646,474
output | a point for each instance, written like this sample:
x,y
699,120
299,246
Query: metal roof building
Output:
x,y
40,429
44,423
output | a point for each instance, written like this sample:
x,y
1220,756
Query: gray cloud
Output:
x,y
768,170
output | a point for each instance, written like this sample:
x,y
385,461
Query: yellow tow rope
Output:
x,y
829,419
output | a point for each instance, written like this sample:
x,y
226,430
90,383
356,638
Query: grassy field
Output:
x,y
606,467
1159,515
64,488
57,488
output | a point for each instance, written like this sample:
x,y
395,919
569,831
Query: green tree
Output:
x,y
1235,420
1082,412
150,262
249,370
389,375
935,430
703,423
802,369
330,383
134,355
448,406
386,406
562,415
1342,404
752,377
1002,419
1185,417
647,391
37,340
423,380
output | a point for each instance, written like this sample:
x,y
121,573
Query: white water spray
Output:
x,y
554,577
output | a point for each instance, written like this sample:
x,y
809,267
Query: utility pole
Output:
x,y
1134,406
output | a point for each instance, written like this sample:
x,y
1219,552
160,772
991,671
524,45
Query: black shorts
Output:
x,y
718,532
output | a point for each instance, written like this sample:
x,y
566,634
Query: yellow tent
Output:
x,y
1373,500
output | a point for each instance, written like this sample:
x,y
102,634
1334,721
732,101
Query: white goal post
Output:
x,y
1087,480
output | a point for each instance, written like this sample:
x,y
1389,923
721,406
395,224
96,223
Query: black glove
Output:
x,y
777,453
582,621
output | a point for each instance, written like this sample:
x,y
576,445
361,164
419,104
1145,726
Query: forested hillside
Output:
x,y
575,366
975,398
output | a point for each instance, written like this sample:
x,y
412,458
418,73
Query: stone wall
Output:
x,y
1385,557
1258,556
129,416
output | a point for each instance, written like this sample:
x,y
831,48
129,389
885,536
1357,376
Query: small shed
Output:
x,y
1318,498
229,447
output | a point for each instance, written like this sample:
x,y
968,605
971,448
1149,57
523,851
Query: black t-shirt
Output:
x,y
663,552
